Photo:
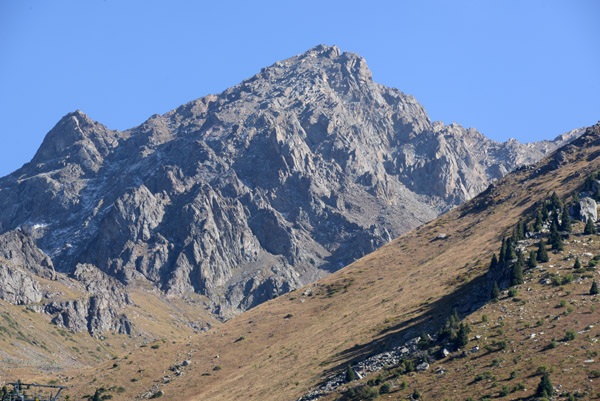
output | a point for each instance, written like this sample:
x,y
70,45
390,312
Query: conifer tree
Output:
x,y
577,264
462,338
545,211
558,243
555,238
455,318
494,262
518,232
594,288
555,219
576,204
532,261
590,228
521,230
350,375
539,220
495,291
502,259
511,252
542,253
545,388
516,276
555,202
565,224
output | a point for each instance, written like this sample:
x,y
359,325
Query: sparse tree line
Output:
x,y
551,216
551,223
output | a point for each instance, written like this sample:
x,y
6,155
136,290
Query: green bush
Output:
x,y
361,393
570,335
385,388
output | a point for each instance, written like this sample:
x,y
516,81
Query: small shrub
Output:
x,y
155,346
570,335
542,369
512,292
218,367
385,388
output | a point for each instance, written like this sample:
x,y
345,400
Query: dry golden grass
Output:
x,y
280,349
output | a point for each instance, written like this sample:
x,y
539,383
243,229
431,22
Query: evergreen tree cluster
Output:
x,y
455,331
552,212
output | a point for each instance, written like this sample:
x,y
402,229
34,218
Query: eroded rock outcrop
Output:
x,y
241,196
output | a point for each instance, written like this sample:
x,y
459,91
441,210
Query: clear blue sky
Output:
x,y
523,69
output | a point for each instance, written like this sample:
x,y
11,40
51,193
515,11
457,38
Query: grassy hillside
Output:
x,y
280,349
33,348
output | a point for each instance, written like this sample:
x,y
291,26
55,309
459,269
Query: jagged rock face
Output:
x,y
20,261
97,313
18,286
23,265
588,210
241,196
21,250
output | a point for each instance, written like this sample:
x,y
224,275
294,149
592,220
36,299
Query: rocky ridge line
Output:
x,y
245,195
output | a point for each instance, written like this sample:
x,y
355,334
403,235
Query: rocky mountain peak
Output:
x,y
77,138
241,196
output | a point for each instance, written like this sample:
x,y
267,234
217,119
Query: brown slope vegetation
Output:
x,y
280,349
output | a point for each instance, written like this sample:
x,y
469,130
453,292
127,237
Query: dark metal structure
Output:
x,y
27,392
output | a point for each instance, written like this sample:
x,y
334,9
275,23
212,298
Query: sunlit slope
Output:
x,y
280,349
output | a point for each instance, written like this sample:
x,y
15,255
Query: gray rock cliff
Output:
x,y
292,174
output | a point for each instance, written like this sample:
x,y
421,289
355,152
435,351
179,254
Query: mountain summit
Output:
x,y
242,196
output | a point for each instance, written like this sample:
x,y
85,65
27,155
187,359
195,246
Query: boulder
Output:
x,y
422,367
588,210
